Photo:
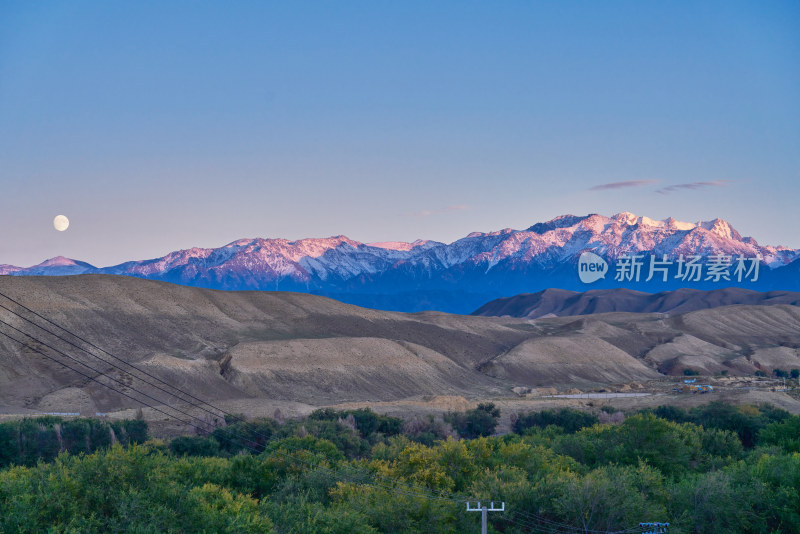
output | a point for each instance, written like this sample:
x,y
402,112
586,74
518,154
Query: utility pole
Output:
x,y
483,510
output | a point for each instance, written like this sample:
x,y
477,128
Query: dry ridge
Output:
x,y
253,347
562,302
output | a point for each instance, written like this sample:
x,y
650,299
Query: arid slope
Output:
x,y
562,303
254,346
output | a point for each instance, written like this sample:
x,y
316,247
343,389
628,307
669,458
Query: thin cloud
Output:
x,y
439,211
692,186
620,185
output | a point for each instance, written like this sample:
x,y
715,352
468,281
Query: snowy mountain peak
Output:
x,y
504,231
717,226
562,221
9,269
241,242
482,264
401,245
721,228
58,266
627,218
631,219
58,261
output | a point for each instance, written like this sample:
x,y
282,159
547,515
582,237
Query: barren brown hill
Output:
x,y
251,347
561,302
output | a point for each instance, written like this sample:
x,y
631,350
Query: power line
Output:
x,y
540,523
409,492
412,490
245,445
536,527
34,349
335,473
129,365
416,491
414,487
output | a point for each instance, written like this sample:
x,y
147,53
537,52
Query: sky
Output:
x,y
157,126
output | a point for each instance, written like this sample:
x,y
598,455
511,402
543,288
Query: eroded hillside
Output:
x,y
316,351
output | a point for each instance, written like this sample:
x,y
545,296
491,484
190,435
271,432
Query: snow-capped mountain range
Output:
x,y
459,276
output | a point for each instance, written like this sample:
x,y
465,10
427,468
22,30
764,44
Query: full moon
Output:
x,y
60,223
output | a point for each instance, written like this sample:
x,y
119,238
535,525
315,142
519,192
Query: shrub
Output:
x,y
785,434
27,441
427,430
367,422
130,431
250,436
194,446
475,423
75,435
672,413
568,419
745,420
611,418
670,447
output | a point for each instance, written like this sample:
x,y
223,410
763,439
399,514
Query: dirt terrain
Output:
x,y
564,303
254,352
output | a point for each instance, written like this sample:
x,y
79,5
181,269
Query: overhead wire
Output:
x,y
572,528
532,526
527,519
236,418
100,373
229,416
127,364
333,472
409,491
223,438
561,528
426,493
535,517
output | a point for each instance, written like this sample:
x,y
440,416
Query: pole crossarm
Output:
x,y
490,508
483,509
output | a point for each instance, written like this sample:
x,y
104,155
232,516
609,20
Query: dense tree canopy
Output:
x,y
358,472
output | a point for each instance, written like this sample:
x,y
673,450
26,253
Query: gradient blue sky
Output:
x,y
156,126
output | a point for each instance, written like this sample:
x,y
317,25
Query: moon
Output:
x,y
61,223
